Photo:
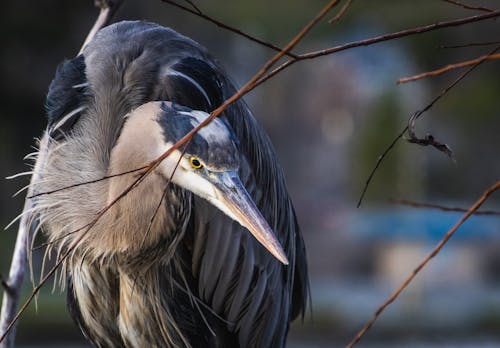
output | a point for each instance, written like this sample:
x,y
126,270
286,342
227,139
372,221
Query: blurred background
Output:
x,y
329,119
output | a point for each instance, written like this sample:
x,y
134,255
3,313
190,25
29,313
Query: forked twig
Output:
x,y
473,208
429,138
411,123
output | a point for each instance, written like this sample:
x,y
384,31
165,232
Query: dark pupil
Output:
x,y
196,163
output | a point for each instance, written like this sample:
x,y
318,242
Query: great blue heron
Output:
x,y
174,267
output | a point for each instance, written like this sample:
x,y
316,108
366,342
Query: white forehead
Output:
x,y
216,131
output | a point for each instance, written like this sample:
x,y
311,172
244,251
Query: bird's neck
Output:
x,y
142,211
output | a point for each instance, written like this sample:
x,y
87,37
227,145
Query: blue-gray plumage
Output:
x,y
179,269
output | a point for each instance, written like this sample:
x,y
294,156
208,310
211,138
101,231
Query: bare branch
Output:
x,y
197,12
468,7
378,39
414,204
448,68
107,10
473,208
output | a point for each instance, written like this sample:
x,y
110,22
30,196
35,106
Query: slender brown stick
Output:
x,y
448,68
414,204
106,177
468,7
473,208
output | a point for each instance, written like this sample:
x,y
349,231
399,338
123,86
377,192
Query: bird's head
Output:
x,y
207,166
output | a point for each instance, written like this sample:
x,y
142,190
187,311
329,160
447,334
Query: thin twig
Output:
x,y
448,68
411,122
86,182
471,44
474,207
197,12
414,204
468,7
380,159
341,13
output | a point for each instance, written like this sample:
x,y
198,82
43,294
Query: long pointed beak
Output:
x,y
234,200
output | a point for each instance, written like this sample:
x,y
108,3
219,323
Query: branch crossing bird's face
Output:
x,y
209,169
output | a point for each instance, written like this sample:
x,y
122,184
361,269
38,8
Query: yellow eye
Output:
x,y
195,163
